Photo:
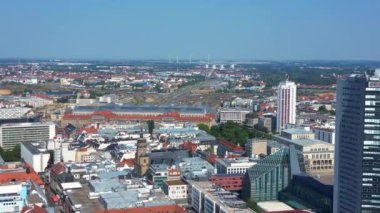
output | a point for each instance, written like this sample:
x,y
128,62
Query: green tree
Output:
x,y
253,205
322,108
16,151
204,127
150,126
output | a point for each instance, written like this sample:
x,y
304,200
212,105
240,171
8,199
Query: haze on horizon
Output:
x,y
246,30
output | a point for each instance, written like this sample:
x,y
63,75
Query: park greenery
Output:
x,y
11,155
234,132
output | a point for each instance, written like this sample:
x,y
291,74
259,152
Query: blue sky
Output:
x,y
155,29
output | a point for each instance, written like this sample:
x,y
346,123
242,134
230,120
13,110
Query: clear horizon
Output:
x,y
225,30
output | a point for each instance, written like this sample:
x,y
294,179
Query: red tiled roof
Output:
x,y
189,146
20,176
128,162
91,130
231,146
211,158
43,96
109,115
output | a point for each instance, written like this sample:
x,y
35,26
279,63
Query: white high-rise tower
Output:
x,y
286,103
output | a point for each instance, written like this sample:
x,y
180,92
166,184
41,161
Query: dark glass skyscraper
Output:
x,y
357,147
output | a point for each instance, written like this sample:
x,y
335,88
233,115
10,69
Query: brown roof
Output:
x,y
175,182
57,168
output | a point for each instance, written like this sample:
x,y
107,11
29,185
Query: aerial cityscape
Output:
x,y
189,106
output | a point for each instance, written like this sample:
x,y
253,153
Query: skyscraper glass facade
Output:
x,y
357,160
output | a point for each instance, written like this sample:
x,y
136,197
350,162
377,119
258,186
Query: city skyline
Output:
x,y
224,30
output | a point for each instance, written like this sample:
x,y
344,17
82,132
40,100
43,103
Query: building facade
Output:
x,y
12,197
255,147
37,158
235,115
230,182
286,104
271,175
325,134
233,165
318,155
136,114
206,198
357,172
15,133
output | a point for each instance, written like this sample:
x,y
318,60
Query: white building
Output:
x,y
286,104
35,156
233,165
176,189
235,115
12,197
12,134
108,98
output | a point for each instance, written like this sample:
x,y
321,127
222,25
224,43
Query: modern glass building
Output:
x,y
263,181
357,146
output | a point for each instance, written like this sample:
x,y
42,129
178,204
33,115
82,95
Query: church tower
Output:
x,y
142,158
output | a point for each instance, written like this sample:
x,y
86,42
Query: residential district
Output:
x,y
78,137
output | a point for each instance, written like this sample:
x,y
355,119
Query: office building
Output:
x,y
233,165
36,155
325,134
263,181
308,192
229,182
357,146
286,104
232,114
12,134
206,198
174,187
318,155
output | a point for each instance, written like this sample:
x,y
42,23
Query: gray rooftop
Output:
x,y
297,131
169,156
32,148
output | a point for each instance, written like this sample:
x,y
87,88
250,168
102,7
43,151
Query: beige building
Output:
x,y
255,147
318,155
